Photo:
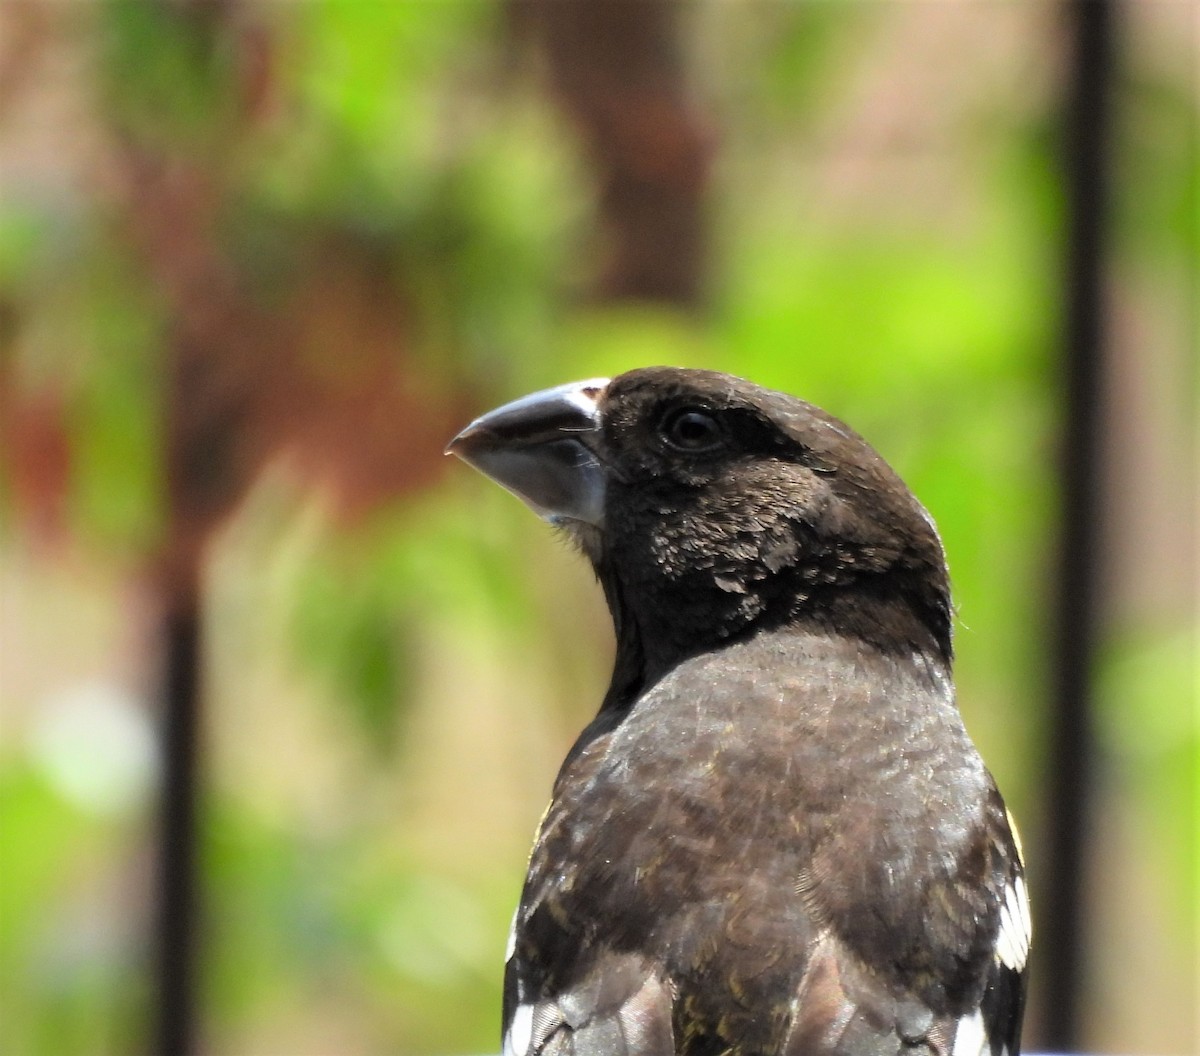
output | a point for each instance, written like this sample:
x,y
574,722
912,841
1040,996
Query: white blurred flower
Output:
x,y
96,747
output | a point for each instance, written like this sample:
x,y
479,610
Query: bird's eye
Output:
x,y
692,431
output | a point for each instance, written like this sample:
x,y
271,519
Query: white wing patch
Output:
x,y
520,1032
970,1039
1012,942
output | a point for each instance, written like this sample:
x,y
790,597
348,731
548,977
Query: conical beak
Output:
x,y
542,449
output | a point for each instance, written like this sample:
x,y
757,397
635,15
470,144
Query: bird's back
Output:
x,y
773,836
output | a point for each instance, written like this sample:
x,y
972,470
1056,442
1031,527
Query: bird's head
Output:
x,y
711,508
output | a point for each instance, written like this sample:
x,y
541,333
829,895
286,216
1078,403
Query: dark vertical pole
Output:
x,y
177,904
1086,168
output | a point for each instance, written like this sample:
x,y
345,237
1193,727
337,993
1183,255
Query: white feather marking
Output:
x,y
1012,942
1005,938
970,1039
1023,906
520,1032
511,946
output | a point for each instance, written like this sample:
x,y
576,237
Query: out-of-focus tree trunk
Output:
x,y
617,69
320,369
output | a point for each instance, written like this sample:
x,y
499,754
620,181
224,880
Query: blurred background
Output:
x,y
259,261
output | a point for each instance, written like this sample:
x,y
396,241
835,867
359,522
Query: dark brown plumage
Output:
x,y
776,837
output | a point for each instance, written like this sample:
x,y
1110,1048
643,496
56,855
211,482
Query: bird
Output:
x,y
776,837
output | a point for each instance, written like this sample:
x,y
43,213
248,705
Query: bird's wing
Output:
x,y
625,1005
841,1009
1003,1004
621,1007
844,1007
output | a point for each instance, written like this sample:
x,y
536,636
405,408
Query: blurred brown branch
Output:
x,y
617,70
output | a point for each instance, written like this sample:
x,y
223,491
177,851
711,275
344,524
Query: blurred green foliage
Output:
x,y
390,694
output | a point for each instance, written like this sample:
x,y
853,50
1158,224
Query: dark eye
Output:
x,y
692,430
